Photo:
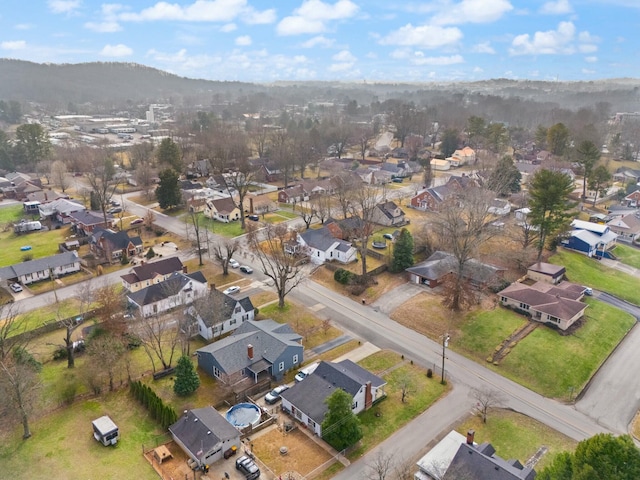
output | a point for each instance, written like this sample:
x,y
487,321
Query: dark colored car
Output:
x,y
255,218
248,467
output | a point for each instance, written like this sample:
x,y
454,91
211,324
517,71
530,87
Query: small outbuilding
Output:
x,y
105,431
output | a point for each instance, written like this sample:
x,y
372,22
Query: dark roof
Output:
x,y
87,217
442,263
227,304
547,269
223,205
558,301
480,463
39,265
388,209
319,238
189,185
166,289
116,240
147,271
309,396
201,429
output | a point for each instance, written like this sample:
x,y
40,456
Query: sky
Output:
x,y
328,40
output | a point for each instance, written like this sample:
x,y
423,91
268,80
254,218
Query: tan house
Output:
x,y
463,156
149,274
388,214
546,272
222,210
627,227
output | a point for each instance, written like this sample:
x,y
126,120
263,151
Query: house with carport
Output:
x,y
204,435
255,350
306,400
440,265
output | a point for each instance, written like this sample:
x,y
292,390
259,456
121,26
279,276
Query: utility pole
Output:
x,y
445,344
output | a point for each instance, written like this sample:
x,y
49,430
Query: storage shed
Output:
x,y
105,431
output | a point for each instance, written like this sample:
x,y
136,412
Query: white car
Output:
x,y
274,395
16,287
231,290
234,263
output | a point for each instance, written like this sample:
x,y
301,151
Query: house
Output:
x,y
322,246
431,198
42,268
633,199
458,457
592,239
627,228
543,156
499,207
558,305
435,270
266,170
84,222
255,350
105,243
464,156
222,210
149,274
199,168
521,215
60,210
440,164
546,272
306,400
321,187
21,186
626,175
388,214
229,314
179,289
45,196
205,435
294,194
31,207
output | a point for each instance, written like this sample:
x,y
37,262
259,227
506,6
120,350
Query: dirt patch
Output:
x,y
425,314
385,282
303,454
175,467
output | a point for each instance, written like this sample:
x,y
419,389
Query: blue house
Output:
x,y
592,239
256,349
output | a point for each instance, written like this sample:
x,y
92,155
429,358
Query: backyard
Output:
x,y
42,243
628,255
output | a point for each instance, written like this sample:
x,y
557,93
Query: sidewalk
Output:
x,y
363,351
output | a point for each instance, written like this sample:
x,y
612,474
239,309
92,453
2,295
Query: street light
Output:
x,y
445,344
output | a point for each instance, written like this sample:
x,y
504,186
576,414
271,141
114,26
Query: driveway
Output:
x,y
388,302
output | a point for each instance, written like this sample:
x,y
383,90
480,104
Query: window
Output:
x,y
281,366
503,299
295,359
524,306
216,372
233,321
312,424
238,309
354,405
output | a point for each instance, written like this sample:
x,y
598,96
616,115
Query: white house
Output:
x,y
179,289
322,246
42,268
499,207
224,315
221,209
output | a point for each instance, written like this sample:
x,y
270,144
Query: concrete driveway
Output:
x,y
388,302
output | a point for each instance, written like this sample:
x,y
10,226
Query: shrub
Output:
x,y
68,393
27,257
60,353
150,253
343,276
429,373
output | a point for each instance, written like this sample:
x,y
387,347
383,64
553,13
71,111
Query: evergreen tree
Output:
x,y
169,154
32,144
187,380
505,177
340,427
449,143
168,191
402,251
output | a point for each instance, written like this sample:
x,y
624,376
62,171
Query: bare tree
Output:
x,y
486,399
109,306
213,309
100,177
107,350
307,214
403,468
159,339
149,219
11,325
363,137
380,466
84,295
276,263
345,183
197,233
223,252
407,387
59,175
363,204
144,175
321,206
238,185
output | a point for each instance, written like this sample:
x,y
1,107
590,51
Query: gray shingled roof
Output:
x,y
481,463
228,305
319,238
166,289
268,338
87,217
442,263
150,270
201,429
38,265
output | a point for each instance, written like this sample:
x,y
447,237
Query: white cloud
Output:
x,y
556,7
318,41
103,27
400,53
340,67
551,42
64,6
253,17
372,55
23,26
229,27
119,50
13,45
420,59
484,47
471,11
425,36
313,15
198,11
243,40
587,48
591,59
344,56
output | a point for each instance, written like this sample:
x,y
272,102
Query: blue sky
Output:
x,y
348,40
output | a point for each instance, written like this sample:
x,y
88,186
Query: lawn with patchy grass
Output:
x,y
586,271
628,255
389,415
517,436
42,243
11,213
534,361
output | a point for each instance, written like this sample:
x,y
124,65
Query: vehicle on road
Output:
x,y
588,291
254,218
246,269
231,290
248,467
274,395
115,210
16,287
234,263
137,221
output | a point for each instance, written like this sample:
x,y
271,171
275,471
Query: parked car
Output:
x,y
274,395
231,290
234,263
246,269
115,210
16,287
388,236
137,221
588,291
248,467
254,218
305,372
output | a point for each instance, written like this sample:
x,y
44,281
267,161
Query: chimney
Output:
x,y
250,351
184,269
368,397
251,205
470,435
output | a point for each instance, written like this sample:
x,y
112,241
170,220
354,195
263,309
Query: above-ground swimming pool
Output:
x,y
242,415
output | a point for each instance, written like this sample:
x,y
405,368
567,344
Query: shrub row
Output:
x,y
164,414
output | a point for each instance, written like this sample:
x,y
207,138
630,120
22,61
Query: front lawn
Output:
x,y
587,271
628,255
229,230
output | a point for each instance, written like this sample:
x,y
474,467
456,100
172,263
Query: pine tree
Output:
x,y
402,252
168,191
340,428
187,380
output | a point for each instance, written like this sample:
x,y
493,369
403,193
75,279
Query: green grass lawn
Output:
x,y
628,255
229,230
11,214
43,244
517,436
559,366
586,271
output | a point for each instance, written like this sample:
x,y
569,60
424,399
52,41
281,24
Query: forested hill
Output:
x,y
105,83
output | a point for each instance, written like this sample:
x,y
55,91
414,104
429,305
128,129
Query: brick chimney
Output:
x,y
250,351
470,435
368,397
251,205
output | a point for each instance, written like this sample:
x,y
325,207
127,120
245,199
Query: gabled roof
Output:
x,y
598,228
480,463
593,239
630,223
148,271
389,209
268,338
442,263
227,304
62,205
309,396
87,217
115,240
39,265
222,205
170,287
547,269
201,429
319,238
